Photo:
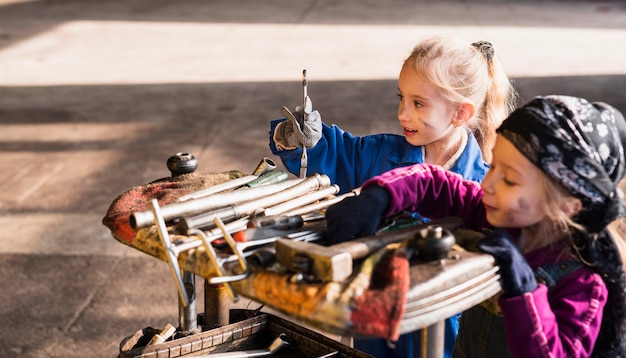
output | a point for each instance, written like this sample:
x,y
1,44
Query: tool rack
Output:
x,y
439,289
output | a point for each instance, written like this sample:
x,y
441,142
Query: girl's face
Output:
x,y
424,114
512,196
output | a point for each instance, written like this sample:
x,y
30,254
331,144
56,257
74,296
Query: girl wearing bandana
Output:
x,y
545,206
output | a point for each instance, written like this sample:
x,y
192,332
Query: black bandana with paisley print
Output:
x,y
581,145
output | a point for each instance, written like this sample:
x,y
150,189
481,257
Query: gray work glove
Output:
x,y
302,128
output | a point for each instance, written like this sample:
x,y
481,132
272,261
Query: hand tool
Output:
x,y
306,109
334,263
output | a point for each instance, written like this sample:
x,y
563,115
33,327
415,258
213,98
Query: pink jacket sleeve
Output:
x,y
434,193
564,323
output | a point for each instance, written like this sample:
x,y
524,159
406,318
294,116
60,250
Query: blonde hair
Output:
x,y
465,74
618,227
560,221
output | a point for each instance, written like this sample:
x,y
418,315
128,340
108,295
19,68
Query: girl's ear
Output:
x,y
571,205
463,114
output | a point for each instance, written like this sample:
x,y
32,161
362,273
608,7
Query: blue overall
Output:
x,y
349,161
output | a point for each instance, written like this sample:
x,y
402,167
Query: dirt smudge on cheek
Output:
x,y
523,204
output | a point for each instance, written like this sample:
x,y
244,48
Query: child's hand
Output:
x,y
303,127
516,275
356,216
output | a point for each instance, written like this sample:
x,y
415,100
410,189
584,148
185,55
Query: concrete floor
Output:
x,y
95,96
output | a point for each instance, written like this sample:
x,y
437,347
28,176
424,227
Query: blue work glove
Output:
x,y
356,216
516,276
302,128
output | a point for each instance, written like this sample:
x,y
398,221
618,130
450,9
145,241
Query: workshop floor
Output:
x,y
96,95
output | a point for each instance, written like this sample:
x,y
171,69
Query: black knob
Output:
x,y
182,163
434,243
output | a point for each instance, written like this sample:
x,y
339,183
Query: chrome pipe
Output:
x,y
266,165
321,204
231,184
256,206
305,199
139,219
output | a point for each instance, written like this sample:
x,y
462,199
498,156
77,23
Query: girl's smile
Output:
x,y
409,132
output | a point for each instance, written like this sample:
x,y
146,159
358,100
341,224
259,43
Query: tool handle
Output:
x,y
278,222
363,247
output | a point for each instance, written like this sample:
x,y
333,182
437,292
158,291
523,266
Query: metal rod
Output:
x,y
304,158
172,260
308,198
187,313
139,219
433,340
212,234
322,204
231,184
256,206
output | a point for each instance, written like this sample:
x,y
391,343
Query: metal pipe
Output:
x,y
212,234
314,182
187,313
139,219
322,204
266,165
432,340
308,198
251,207
216,305
231,184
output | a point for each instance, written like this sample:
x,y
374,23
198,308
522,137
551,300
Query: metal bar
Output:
x,y
187,313
171,258
139,219
256,206
322,204
433,340
231,184
308,198
219,268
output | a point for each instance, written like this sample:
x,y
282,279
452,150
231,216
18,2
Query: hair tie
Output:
x,y
486,48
